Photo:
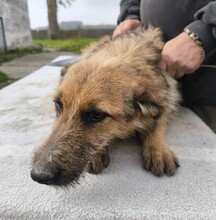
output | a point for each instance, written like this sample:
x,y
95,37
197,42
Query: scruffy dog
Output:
x,y
117,89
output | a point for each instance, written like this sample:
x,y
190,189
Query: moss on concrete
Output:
x,y
5,80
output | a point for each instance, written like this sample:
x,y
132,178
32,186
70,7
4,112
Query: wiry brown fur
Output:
x,y
121,78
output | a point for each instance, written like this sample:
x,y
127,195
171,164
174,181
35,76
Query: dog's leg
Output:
x,y
101,160
157,157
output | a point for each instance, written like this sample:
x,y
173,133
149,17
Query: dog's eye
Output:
x,y
59,106
96,116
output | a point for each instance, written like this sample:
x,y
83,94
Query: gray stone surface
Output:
x,y
16,23
124,191
25,65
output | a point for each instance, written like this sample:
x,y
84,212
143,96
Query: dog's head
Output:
x,y
97,102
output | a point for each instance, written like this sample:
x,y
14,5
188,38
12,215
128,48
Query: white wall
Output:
x,y
16,23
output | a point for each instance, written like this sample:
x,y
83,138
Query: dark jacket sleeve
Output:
x,y
129,9
204,26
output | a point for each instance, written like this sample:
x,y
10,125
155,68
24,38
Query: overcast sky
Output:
x,y
87,11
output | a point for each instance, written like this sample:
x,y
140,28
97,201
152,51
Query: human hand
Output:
x,y
126,26
181,55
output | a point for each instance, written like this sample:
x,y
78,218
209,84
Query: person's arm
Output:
x,y
204,26
129,9
183,55
129,17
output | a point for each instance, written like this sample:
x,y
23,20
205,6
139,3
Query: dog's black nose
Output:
x,y
44,177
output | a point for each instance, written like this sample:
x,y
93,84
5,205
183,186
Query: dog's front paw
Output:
x,y
160,162
100,162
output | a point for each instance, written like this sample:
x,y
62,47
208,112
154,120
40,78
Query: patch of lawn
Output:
x,y
71,45
10,55
5,80
18,53
3,77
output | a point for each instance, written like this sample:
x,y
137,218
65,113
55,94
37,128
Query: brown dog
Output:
x,y
116,90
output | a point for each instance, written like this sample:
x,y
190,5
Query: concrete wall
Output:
x,y
81,33
16,23
2,38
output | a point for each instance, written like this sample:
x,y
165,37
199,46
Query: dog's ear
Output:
x,y
146,104
149,109
64,70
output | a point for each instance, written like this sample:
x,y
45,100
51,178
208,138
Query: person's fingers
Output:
x,y
121,29
116,33
163,64
174,71
126,26
179,73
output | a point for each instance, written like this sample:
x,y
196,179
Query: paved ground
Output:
x,y
20,67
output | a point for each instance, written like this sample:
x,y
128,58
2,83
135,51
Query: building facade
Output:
x,y
15,18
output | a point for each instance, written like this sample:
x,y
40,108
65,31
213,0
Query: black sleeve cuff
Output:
x,y
204,32
129,10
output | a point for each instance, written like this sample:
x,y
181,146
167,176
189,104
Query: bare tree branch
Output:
x,y
65,2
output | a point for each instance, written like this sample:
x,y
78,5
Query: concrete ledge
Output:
x,y
124,190
23,66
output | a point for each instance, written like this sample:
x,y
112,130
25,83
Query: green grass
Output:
x,y
18,53
72,45
5,80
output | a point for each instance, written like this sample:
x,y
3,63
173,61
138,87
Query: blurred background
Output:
x,y
24,20
42,26
93,12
